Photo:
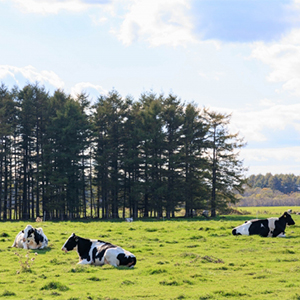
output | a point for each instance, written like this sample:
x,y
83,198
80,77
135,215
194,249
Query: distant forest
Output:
x,y
271,190
63,158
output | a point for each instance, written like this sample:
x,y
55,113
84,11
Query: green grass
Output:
x,y
178,259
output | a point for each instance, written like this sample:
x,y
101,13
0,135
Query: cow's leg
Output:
x,y
110,257
278,232
264,232
15,243
84,262
281,234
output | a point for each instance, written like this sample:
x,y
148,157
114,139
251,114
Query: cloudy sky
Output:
x,y
235,56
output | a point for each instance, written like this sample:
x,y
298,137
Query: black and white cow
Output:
x,y
36,239
21,237
31,238
271,227
98,253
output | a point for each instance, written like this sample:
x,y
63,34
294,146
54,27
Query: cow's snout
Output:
x,y
64,249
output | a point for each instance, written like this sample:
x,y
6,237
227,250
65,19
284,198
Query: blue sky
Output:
x,y
234,56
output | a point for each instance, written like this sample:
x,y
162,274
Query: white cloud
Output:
x,y
269,154
158,22
215,76
283,57
21,76
86,87
254,125
283,160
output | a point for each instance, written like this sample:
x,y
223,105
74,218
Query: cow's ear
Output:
x,y
75,237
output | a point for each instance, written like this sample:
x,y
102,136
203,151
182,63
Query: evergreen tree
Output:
x,y
152,150
225,169
173,122
193,161
109,121
26,130
7,129
131,159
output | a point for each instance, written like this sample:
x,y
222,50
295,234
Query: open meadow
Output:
x,y
177,259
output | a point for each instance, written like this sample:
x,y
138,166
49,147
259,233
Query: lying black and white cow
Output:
x,y
270,227
31,238
98,253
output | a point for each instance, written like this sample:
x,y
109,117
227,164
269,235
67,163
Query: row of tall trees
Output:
x,y
63,158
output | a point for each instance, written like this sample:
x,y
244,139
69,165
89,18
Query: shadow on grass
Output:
x,y
41,251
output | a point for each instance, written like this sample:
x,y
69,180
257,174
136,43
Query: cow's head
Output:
x,y
288,219
28,229
71,243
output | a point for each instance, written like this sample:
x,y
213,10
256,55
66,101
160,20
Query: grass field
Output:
x,y
178,259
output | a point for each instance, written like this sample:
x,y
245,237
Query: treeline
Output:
x,y
285,183
63,158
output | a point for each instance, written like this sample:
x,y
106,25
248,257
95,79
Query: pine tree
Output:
x,y
152,150
226,171
7,129
173,122
193,161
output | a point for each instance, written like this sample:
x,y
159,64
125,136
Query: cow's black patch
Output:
x,y
126,260
38,237
83,248
259,227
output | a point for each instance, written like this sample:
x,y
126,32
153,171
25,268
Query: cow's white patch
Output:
x,y
243,229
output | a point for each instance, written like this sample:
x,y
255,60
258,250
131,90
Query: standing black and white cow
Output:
x,y
271,227
98,253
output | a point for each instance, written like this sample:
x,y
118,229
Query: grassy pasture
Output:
x,y
178,259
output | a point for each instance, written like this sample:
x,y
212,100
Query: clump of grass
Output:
x,y
79,269
55,286
157,271
127,282
150,229
8,293
55,261
212,259
173,282
25,263
94,278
